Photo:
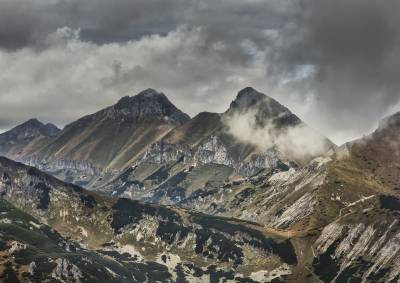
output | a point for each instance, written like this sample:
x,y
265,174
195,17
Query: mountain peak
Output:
x,y
264,107
151,93
147,93
33,122
24,133
249,98
249,92
149,104
33,127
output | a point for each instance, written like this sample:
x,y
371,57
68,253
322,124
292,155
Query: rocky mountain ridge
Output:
x,y
206,140
148,128
106,141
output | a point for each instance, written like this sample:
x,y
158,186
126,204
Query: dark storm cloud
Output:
x,y
25,22
342,57
354,46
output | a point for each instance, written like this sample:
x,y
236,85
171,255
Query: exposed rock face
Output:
x,y
369,252
78,165
148,104
266,109
80,172
279,199
212,150
67,271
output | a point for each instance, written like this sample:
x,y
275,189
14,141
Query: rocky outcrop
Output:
x,y
281,198
369,252
212,150
265,109
148,104
84,166
67,271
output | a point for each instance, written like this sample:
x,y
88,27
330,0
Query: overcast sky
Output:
x,y
334,63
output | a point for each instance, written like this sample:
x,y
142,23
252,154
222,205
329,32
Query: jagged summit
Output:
x,y
264,107
151,93
249,93
150,103
147,93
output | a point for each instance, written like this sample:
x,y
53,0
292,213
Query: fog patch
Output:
x,y
299,142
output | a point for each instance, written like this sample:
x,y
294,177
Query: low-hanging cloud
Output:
x,y
299,142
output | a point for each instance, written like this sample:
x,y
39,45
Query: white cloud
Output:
x,y
71,77
299,142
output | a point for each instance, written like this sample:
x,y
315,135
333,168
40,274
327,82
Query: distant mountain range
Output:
x,y
249,195
148,127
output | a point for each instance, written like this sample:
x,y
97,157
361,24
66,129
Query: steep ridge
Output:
x,y
185,245
209,149
97,146
19,139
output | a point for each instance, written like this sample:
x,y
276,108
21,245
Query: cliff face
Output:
x,y
79,172
211,150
